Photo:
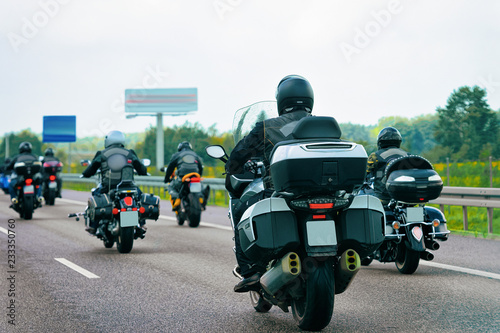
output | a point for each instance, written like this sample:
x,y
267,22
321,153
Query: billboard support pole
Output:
x,y
160,160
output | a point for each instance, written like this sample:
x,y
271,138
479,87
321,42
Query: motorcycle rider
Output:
x,y
388,143
114,143
295,99
25,155
186,161
49,156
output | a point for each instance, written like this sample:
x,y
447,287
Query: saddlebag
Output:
x,y
151,204
267,230
100,208
361,226
319,166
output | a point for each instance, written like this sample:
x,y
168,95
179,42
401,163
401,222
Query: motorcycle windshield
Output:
x,y
245,118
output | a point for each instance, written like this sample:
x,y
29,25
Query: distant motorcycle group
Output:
x,y
28,179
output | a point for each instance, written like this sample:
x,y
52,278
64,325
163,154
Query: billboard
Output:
x,y
59,128
172,101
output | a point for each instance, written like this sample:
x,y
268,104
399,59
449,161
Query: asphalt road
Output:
x,y
178,279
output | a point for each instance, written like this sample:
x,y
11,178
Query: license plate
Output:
x,y
129,219
415,214
52,185
321,233
29,189
195,187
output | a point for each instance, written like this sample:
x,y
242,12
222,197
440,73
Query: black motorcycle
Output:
x,y
119,212
28,183
307,236
50,185
412,228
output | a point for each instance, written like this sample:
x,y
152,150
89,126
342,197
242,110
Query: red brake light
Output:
x,y
319,217
134,209
28,181
128,201
195,180
142,210
115,211
52,177
321,206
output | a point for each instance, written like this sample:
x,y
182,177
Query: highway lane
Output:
x,y
179,279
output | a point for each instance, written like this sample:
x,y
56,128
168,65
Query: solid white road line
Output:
x,y
461,269
77,268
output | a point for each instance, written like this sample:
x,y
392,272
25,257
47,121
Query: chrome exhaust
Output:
x,y
284,271
426,256
345,271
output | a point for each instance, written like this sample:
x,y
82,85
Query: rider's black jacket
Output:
x,y
260,143
186,161
100,161
22,157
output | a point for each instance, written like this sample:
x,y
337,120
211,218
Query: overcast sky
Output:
x,y
365,59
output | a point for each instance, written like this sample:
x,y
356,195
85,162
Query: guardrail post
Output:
x,y
466,221
490,220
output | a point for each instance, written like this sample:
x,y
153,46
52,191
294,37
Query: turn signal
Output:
x,y
142,210
396,225
115,211
435,222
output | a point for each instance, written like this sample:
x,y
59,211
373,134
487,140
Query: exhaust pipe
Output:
x,y
284,271
346,270
426,255
434,246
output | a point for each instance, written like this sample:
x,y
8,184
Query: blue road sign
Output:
x,y
59,128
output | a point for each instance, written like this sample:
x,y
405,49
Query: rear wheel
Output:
x,y
258,303
194,212
314,310
28,206
108,244
125,239
407,260
50,198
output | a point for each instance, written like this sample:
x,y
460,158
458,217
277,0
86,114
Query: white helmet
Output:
x,y
114,137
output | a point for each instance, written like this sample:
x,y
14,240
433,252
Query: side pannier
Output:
x,y
151,204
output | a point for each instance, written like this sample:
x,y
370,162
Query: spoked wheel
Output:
x,y
407,260
125,240
194,212
314,310
259,303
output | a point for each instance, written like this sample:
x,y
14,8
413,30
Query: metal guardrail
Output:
x,y
451,195
470,197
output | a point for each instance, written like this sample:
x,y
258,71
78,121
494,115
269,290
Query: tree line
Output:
x,y
465,129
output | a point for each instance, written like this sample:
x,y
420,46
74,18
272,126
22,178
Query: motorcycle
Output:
x,y
411,228
50,188
4,182
193,199
28,182
120,211
312,231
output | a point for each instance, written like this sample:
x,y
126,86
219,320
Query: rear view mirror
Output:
x,y
215,151
146,161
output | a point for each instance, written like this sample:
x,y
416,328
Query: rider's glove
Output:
x,y
250,166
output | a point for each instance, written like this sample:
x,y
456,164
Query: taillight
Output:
x,y
319,217
52,177
128,201
142,210
321,205
195,180
28,181
115,211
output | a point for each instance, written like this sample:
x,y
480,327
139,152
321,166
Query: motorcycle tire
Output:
x,y
259,303
28,207
194,212
406,259
50,198
125,239
314,310
180,218
108,244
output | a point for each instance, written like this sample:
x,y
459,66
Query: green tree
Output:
x,y
467,124
14,139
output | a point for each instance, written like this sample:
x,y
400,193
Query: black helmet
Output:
x,y
389,137
184,145
25,147
49,152
294,92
